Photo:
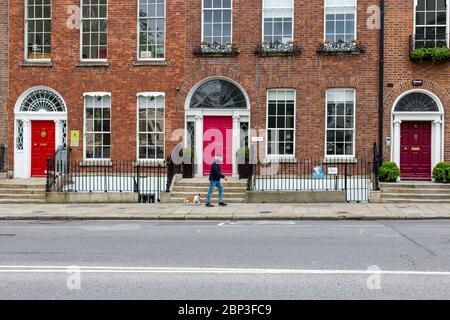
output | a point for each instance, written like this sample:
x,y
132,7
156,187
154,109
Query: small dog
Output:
x,y
195,199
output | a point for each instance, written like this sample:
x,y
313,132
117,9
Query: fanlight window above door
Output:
x,y
42,100
218,94
417,102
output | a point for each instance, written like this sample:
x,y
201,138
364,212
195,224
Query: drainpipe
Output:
x,y
381,83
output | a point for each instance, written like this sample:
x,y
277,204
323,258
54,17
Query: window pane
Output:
x,y
340,115
280,113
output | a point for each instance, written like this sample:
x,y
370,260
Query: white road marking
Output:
x,y
163,270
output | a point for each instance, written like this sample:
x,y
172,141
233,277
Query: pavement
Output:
x,y
234,260
368,211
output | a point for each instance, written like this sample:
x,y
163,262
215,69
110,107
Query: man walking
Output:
x,y
214,182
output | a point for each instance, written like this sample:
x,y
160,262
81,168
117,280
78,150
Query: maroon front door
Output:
x,y
415,151
42,145
218,139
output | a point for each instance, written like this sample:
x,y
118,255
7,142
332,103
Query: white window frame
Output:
x,y
150,94
96,94
81,34
325,19
203,20
139,34
281,156
354,125
447,31
293,19
26,19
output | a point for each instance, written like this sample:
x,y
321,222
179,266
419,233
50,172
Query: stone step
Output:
x,y
23,196
214,195
202,183
21,186
22,190
214,200
414,196
197,189
21,201
428,185
417,191
414,200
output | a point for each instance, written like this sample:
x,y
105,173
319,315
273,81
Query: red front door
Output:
x,y
415,152
42,145
218,139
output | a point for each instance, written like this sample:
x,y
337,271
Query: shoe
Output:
x,y
223,204
209,205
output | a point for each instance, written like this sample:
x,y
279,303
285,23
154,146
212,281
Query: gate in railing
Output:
x,y
354,176
107,176
2,158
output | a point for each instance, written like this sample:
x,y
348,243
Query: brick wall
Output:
x,y
309,73
400,71
3,70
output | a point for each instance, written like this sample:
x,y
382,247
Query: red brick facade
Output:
x,y
309,73
400,70
3,71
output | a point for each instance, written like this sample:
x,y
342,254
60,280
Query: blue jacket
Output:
x,y
216,173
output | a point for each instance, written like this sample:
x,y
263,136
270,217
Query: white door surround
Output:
x,y
437,128
197,115
22,152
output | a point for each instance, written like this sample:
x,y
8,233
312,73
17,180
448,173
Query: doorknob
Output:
x,y
35,144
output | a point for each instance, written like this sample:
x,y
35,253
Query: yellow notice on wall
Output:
x,y
75,138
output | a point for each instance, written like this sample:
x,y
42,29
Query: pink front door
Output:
x,y
218,139
415,151
42,146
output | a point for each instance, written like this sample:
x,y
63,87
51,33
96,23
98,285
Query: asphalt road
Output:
x,y
225,260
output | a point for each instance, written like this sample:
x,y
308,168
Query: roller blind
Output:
x,y
278,8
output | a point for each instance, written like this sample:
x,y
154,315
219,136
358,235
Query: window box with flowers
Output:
x,y
277,49
341,47
435,55
216,49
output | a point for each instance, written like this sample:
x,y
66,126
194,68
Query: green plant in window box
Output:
x,y
441,172
436,54
389,172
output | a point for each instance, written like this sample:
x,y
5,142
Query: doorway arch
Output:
x,y
415,113
37,105
218,98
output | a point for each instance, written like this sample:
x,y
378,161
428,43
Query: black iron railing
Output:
x,y
148,181
354,176
2,158
377,162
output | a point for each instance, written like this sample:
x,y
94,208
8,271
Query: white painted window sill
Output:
x,y
143,63
150,163
96,163
99,63
279,160
340,160
37,63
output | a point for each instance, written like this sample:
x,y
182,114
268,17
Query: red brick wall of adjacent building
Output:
x,y
3,70
121,78
400,71
309,73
